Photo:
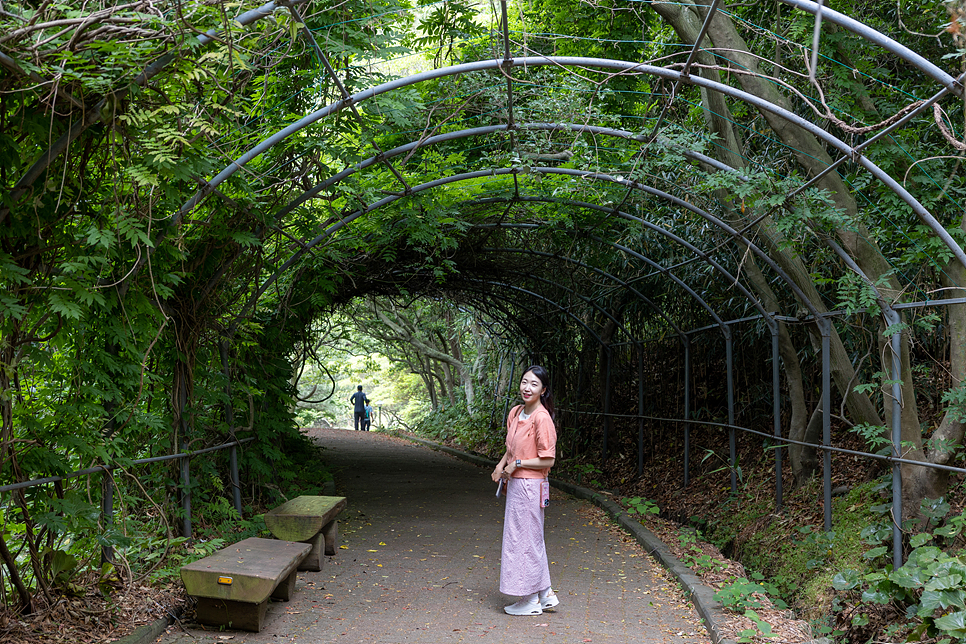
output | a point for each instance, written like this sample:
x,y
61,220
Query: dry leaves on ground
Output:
x,y
92,617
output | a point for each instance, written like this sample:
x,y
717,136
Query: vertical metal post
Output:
x,y
896,344
687,411
610,359
185,465
578,399
732,441
230,420
776,412
513,366
107,483
825,326
186,495
107,513
496,390
640,409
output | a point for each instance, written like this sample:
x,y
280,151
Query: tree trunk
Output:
x,y
926,482
686,21
855,239
803,459
26,599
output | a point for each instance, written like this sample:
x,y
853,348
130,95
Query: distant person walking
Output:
x,y
531,443
368,417
359,402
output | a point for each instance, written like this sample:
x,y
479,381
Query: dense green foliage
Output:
x,y
170,284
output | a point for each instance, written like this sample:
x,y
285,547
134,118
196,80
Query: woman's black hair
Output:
x,y
546,398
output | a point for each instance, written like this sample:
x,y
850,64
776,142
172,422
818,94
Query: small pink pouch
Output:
x,y
544,493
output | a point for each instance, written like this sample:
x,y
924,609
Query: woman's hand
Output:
x,y
497,474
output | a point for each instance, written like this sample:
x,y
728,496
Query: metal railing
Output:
x,y
107,486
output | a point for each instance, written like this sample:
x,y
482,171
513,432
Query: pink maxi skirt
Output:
x,y
523,568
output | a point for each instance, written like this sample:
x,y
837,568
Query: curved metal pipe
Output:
x,y
479,174
594,269
622,66
878,38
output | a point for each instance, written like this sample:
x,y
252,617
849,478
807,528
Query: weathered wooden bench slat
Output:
x,y
309,519
303,517
234,584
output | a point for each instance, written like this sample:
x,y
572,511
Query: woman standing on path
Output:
x,y
531,441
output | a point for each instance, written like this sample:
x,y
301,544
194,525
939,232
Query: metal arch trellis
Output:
x,y
920,211
848,152
631,186
567,61
626,286
724,327
823,324
950,85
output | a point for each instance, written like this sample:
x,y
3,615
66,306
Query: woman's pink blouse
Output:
x,y
535,437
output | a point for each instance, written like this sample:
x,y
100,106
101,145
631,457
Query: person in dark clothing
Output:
x,y
359,402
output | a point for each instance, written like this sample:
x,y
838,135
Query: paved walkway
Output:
x,y
419,563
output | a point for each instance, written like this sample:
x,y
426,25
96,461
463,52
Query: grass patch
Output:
x,y
791,548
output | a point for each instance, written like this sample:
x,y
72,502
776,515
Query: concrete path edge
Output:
x,y
151,632
710,609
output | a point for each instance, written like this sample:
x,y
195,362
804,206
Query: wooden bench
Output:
x,y
233,585
312,520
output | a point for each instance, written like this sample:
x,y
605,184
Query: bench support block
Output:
x,y
285,589
331,533
231,614
316,557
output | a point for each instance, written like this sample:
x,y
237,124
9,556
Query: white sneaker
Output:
x,y
548,600
526,606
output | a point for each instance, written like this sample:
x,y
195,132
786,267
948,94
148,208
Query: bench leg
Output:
x,y
316,557
331,532
285,589
231,614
